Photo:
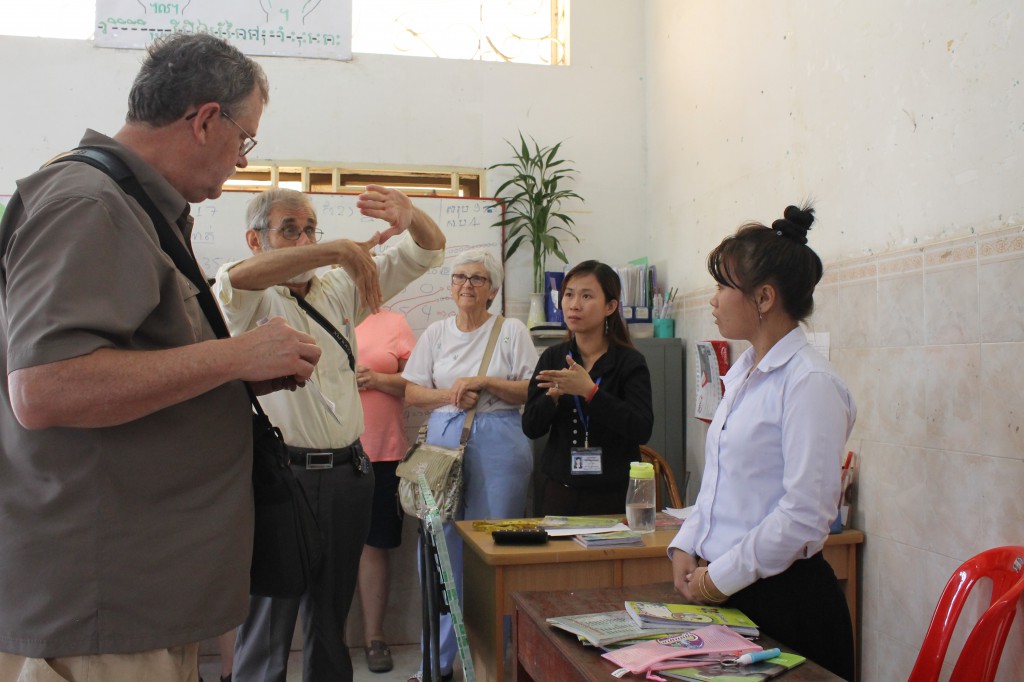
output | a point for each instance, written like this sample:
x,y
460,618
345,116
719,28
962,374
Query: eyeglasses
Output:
x,y
458,279
246,145
292,233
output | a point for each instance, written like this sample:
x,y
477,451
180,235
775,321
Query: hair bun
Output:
x,y
795,223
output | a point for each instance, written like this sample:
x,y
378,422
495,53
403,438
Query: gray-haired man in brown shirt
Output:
x,y
125,437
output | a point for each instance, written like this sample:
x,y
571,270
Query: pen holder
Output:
x,y
664,327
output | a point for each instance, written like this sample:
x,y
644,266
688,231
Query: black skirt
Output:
x,y
804,608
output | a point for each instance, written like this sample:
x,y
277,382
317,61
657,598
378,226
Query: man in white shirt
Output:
x,y
326,454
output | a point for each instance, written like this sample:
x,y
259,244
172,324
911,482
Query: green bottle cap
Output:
x,y
641,470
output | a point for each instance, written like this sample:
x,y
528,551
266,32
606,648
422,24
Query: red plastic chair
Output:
x,y
979,658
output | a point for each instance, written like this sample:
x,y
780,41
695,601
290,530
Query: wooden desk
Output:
x,y
546,653
492,572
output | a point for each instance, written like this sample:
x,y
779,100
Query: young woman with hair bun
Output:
x,y
773,453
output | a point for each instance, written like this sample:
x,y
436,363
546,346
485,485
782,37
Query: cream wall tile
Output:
x,y
900,390
999,485
951,294
899,602
826,310
858,368
1002,400
1001,300
858,314
952,397
901,310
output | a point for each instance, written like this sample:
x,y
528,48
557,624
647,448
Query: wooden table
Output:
x,y
492,572
546,653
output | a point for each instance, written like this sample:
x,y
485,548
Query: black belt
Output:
x,y
321,459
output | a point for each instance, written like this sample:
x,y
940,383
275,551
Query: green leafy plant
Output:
x,y
533,197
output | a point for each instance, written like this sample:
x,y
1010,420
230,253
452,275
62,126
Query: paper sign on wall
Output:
x,y
286,28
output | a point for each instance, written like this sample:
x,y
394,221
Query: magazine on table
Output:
x,y
602,629
655,614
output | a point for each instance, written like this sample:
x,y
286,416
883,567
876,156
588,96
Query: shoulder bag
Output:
x,y
287,544
441,466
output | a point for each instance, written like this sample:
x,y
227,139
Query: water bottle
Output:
x,y
640,497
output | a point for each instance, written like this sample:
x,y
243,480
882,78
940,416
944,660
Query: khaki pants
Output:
x,y
176,664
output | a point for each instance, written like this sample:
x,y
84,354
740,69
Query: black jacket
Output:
x,y
619,417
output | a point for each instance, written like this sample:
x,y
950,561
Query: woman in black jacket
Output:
x,y
591,395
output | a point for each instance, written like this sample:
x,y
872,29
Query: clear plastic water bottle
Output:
x,y
640,497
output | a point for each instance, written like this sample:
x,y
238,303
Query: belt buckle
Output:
x,y
316,461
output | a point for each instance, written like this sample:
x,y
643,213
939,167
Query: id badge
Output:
x,y
585,461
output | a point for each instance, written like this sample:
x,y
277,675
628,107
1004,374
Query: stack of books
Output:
x,y
657,615
619,538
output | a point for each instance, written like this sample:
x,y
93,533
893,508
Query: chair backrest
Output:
x,y
979,659
664,477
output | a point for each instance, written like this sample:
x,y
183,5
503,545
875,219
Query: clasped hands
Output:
x,y
693,581
573,380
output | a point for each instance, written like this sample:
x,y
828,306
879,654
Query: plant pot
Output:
x,y
536,316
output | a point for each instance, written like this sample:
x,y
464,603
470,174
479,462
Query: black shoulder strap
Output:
x,y
180,254
331,329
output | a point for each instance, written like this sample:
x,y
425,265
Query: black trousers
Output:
x,y
804,608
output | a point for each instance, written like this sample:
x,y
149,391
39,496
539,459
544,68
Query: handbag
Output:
x,y
287,547
441,466
287,543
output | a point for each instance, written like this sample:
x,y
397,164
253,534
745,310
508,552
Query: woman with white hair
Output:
x,y
444,374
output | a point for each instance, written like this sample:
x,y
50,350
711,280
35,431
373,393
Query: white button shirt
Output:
x,y
772,468
303,419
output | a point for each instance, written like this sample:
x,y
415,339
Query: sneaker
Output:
x,y
378,657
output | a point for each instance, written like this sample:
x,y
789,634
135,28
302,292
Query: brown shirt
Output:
x,y
133,537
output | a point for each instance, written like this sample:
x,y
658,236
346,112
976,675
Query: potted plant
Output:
x,y
532,197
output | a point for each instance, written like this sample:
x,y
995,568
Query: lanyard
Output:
x,y
583,418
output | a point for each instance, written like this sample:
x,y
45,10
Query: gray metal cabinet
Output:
x,y
665,360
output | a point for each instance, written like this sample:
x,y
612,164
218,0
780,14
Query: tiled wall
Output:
x,y
930,341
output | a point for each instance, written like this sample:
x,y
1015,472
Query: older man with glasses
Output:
x,y
280,280
126,509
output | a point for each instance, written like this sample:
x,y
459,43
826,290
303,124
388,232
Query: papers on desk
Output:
x,y
600,629
567,526
680,514
618,538
706,641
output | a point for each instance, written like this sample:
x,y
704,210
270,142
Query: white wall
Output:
x,y
904,120
390,110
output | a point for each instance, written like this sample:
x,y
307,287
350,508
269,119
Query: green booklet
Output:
x,y
649,614
719,672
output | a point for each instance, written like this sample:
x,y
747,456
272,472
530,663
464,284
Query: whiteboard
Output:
x,y
295,28
218,237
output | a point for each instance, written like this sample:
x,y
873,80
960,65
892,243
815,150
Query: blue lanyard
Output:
x,y
583,418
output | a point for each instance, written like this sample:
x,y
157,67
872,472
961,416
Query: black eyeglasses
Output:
x,y
458,279
292,233
246,145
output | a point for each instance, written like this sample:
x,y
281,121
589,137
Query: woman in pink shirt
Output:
x,y
385,342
